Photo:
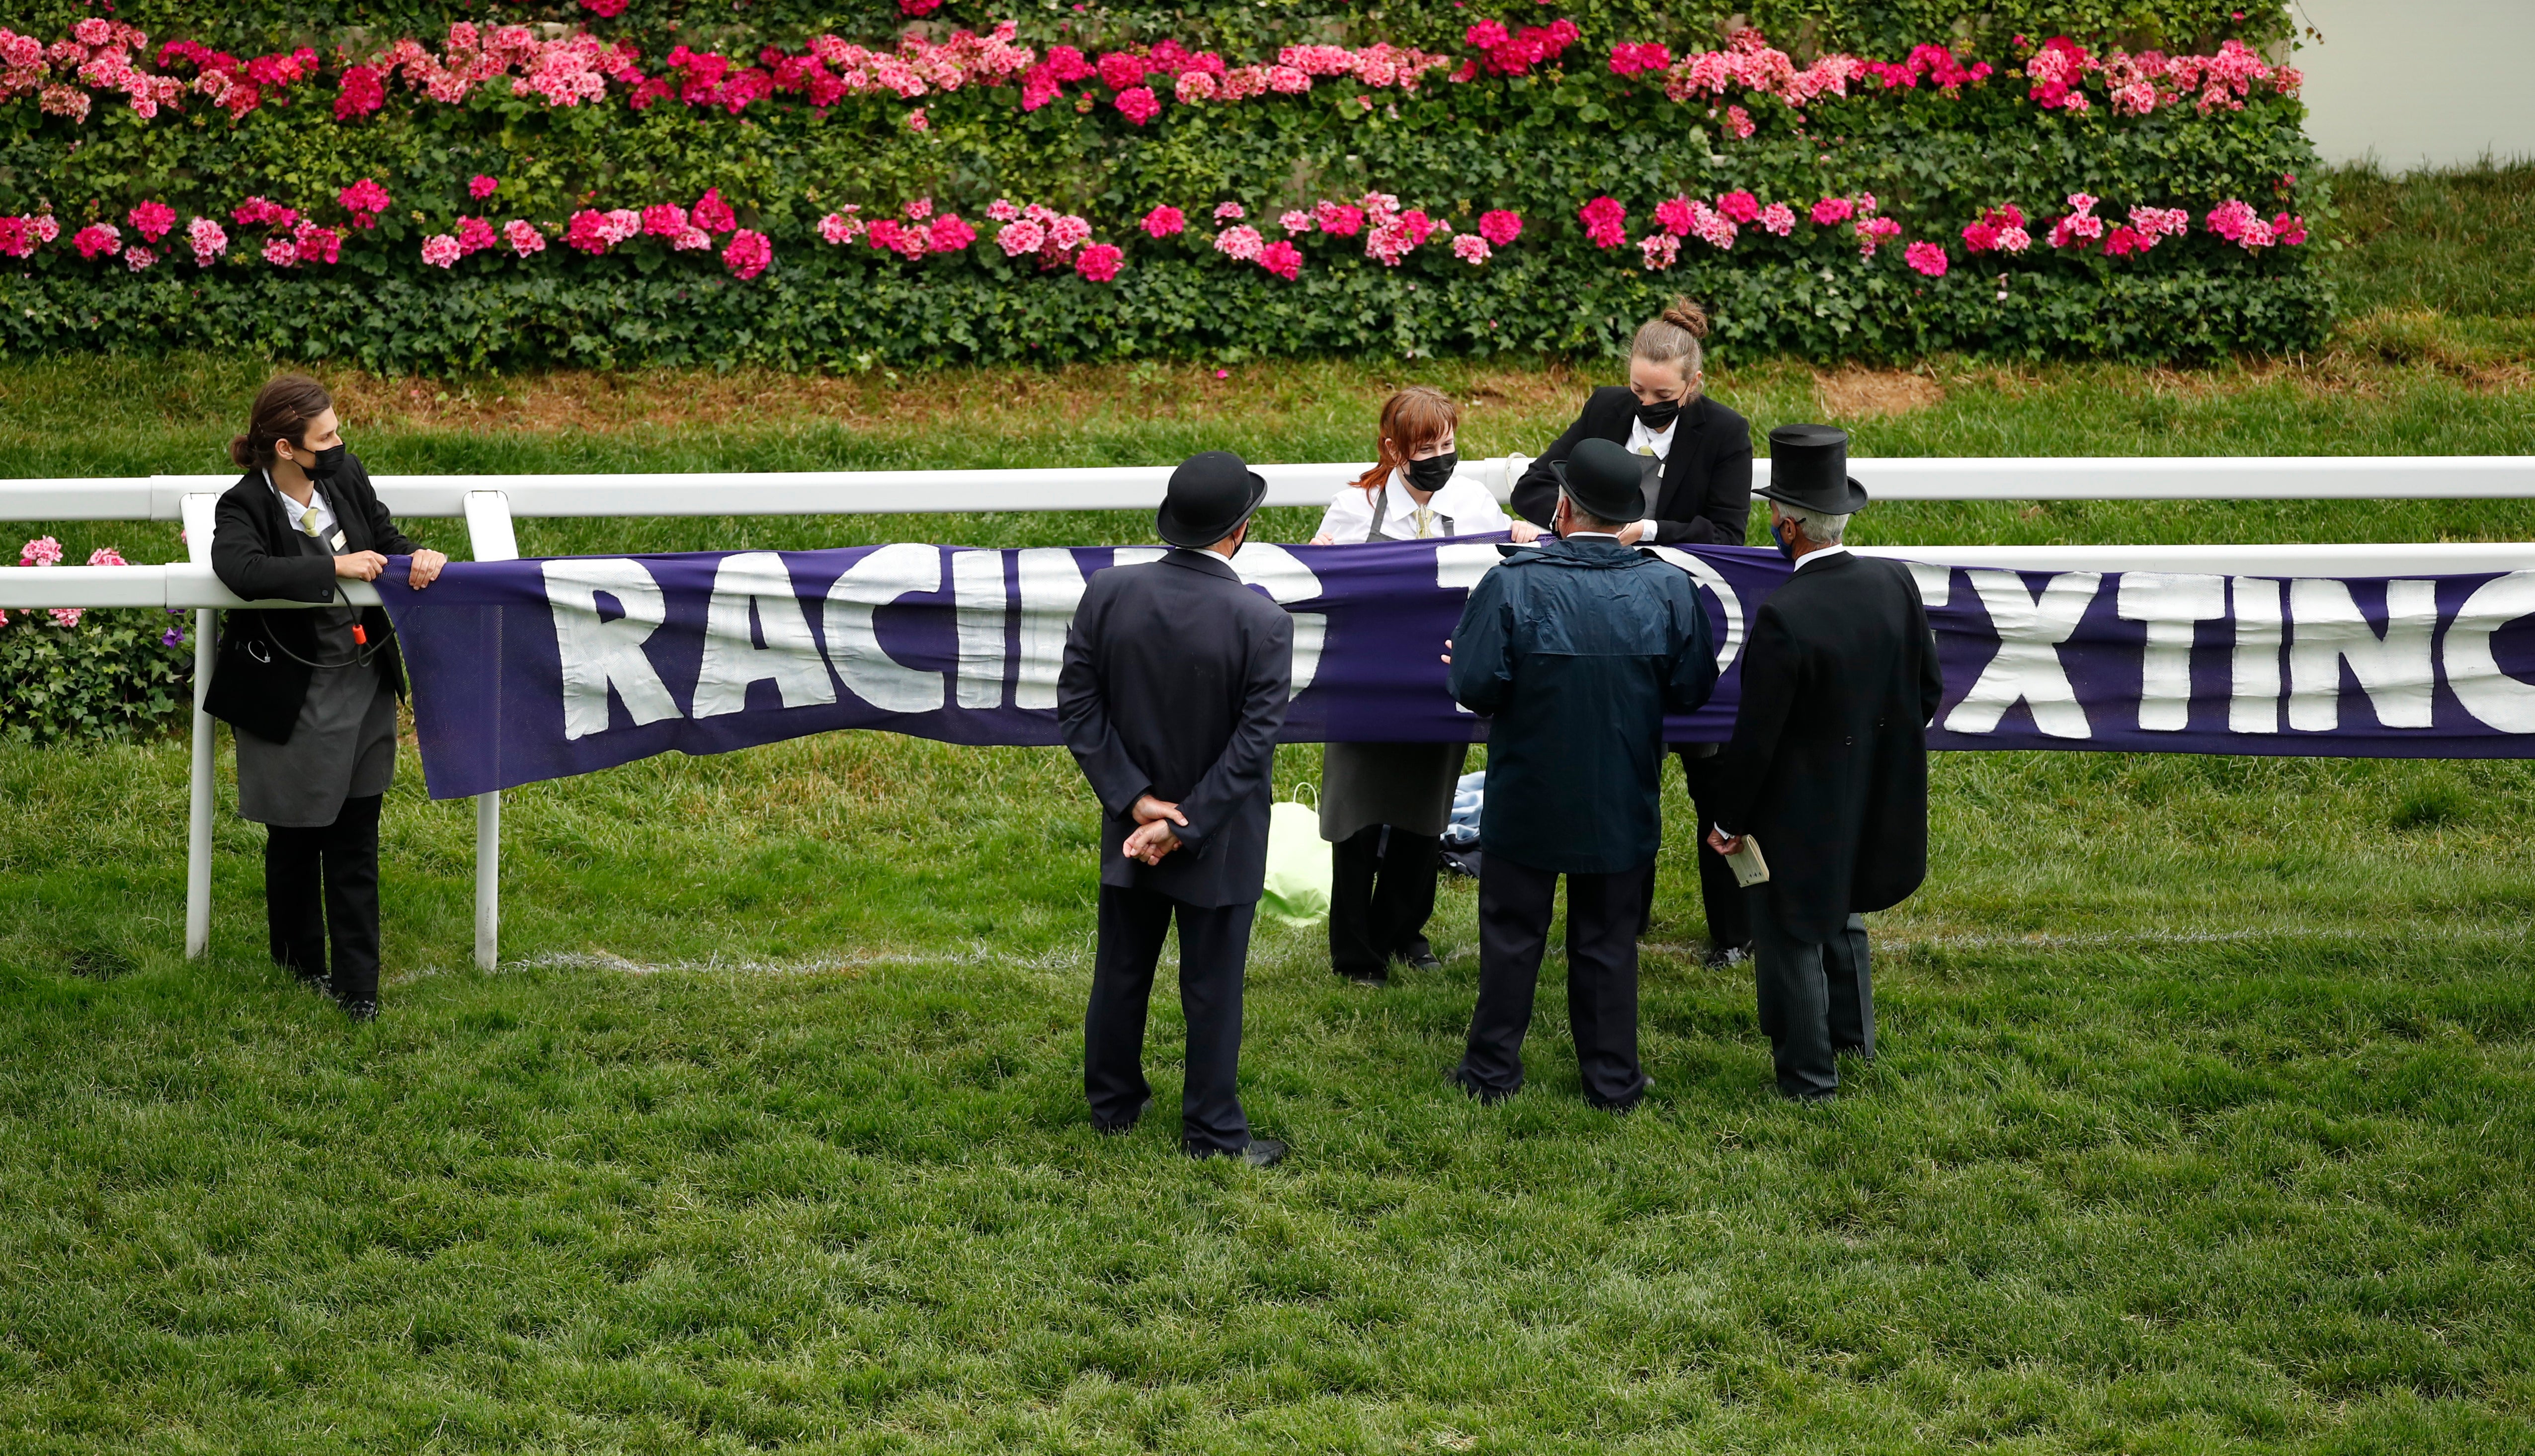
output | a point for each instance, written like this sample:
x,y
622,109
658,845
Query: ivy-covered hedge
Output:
x,y
1545,123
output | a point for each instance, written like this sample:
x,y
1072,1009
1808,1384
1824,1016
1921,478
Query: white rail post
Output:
x,y
491,539
198,516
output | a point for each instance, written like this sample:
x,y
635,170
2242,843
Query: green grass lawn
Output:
x,y
2205,1119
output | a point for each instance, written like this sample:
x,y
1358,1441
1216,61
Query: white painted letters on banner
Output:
x,y
598,654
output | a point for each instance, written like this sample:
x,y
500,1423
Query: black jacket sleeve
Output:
x,y
1083,714
1249,759
1535,495
1724,498
1768,692
245,564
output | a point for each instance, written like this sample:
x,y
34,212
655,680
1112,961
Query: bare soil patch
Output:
x,y
1875,393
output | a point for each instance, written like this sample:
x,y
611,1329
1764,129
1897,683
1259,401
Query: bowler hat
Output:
x,y
1210,496
1809,470
1603,479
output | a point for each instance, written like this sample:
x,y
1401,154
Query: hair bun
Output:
x,y
1685,315
242,451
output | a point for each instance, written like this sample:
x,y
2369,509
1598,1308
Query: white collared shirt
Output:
x,y
1819,553
1472,510
315,518
1656,442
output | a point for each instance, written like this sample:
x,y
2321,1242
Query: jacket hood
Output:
x,y
1590,556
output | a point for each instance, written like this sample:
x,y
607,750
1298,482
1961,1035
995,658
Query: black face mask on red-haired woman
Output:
x,y
1434,472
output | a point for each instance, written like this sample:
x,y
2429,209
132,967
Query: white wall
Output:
x,y
2419,82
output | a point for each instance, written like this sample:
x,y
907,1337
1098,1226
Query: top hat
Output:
x,y
1603,479
1809,470
1210,495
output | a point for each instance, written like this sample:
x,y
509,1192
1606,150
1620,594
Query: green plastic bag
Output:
x,y
1298,867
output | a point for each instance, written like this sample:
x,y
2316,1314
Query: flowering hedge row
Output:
x,y
69,675
506,196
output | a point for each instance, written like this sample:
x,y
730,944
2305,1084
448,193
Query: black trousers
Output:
x,y
1603,913
1381,892
1817,998
322,885
1719,896
1215,949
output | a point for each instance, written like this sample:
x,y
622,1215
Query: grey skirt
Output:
x,y
343,747
1407,785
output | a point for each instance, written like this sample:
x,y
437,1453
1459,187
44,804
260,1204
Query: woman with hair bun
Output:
x,y
1695,455
311,692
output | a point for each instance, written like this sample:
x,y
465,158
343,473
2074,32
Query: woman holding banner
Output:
x,y
311,692
1694,460
1384,805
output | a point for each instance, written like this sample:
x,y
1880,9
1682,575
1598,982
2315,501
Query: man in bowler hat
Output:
x,y
1577,649
1171,696
1828,770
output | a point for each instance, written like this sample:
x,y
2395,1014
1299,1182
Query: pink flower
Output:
x,y
1240,243
440,250
524,238
1873,232
1284,260
98,238
1069,232
1120,70
364,200
1139,105
1163,221
1779,218
588,231
43,551
1000,210
1018,238
1927,257
916,121
1742,207
1660,249
316,244
2290,231
948,234
1470,248
106,555
1228,211
44,226
1339,219
747,254
1673,215
1832,210
153,219
1500,227
1603,217
1739,122
137,258
474,236
1099,263
481,187
1193,86
256,210
838,228
208,239
1295,221
713,215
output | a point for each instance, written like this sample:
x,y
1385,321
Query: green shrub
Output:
x,y
114,677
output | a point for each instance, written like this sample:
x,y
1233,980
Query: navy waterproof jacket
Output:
x,y
1577,649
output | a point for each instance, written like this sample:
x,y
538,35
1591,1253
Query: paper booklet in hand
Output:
x,y
1749,868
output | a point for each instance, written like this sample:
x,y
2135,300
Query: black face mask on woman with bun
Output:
x,y
1660,415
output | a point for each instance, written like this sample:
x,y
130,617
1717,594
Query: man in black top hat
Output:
x,y
1171,696
1828,771
1577,649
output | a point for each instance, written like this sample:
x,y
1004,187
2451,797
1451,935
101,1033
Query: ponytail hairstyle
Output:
x,y
1411,419
1674,335
283,410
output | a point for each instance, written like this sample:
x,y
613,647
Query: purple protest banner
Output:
x,y
532,670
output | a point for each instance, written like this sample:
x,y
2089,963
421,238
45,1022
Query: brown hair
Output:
x,y
1411,419
1674,334
282,410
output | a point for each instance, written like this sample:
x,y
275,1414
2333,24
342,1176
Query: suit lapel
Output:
x,y
1677,461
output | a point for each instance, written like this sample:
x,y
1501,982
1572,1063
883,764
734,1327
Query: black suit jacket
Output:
x,y
1707,494
1829,764
254,686
1174,685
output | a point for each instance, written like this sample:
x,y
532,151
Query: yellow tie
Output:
x,y
1425,518
308,520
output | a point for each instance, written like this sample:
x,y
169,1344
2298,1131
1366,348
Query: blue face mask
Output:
x,y
1778,533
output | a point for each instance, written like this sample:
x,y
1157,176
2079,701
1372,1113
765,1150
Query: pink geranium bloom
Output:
x,y
440,250
1242,243
1139,105
1779,218
1283,259
481,187
153,219
1660,249
524,238
1927,257
712,214
747,254
1163,221
1500,227
1098,263
1470,248
1339,219
1832,210
1604,218
97,239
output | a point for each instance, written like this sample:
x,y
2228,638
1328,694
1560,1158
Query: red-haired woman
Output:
x,y
311,692
1385,805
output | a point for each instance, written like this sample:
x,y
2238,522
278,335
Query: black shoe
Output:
x,y
1420,960
1726,957
1121,1129
1263,1152
361,1011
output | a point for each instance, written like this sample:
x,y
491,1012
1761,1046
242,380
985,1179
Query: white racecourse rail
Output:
x,y
489,502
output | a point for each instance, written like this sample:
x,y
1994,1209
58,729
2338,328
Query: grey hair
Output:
x,y
1820,526
1586,517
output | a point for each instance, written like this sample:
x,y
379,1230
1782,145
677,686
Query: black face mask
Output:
x,y
326,463
1660,415
1434,472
